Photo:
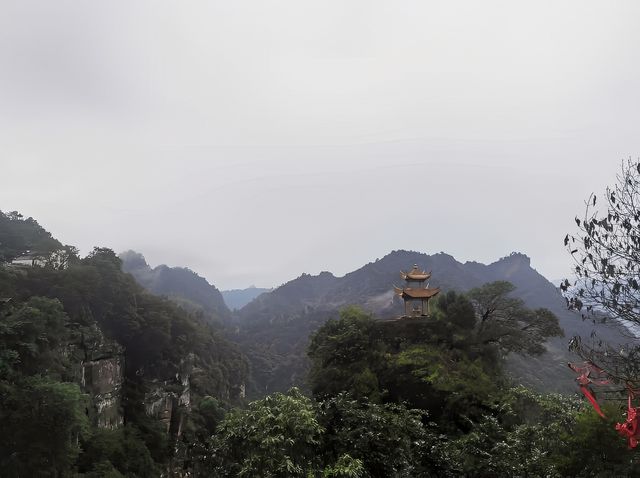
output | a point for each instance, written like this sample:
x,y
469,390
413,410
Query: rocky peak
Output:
x,y
134,259
517,258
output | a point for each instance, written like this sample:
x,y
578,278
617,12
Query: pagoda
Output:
x,y
415,294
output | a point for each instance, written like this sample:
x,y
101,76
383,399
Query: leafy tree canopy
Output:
x,y
275,437
504,320
19,235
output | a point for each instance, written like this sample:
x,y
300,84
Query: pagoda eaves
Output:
x,y
414,293
415,274
416,297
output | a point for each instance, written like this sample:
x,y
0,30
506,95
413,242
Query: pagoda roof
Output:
x,y
415,274
417,293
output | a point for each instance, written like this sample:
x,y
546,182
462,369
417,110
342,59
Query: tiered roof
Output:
x,y
416,293
415,274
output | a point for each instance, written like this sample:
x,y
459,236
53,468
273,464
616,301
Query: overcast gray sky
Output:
x,y
254,141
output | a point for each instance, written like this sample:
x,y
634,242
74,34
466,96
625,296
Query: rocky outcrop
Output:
x,y
169,401
100,370
102,379
101,375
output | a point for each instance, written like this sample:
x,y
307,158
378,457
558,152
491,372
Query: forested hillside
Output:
x,y
99,376
183,286
416,397
274,328
19,235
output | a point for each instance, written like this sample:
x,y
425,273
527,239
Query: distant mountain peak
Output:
x,y
238,298
134,259
181,284
517,256
325,274
300,306
516,261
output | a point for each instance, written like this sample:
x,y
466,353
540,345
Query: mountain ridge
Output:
x,y
235,299
300,306
180,284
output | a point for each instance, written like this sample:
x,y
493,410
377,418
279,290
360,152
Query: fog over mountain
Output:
x,y
250,141
238,298
268,169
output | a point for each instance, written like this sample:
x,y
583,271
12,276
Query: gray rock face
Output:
x,y
101,376
169,401
102,379
99,369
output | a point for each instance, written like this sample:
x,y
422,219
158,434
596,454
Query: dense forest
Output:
x,y
98,376
101,378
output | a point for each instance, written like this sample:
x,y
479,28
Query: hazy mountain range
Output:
x,y
180,284
237,298
272,327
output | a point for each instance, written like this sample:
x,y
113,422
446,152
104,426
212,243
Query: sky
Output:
x,y
252,141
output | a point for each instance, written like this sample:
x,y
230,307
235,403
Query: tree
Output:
x,y
446,383
523,434
116,452
42,420
390,440
592,447
61,258
275,437
32,336
606,252
19,235
343,353
505,322
345,467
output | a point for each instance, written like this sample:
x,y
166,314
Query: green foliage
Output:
x,y
288,435
19,235
592,447
432,364
156,334
505,322
212,413
42,420
104,469
119,452
447,367
345,467
274,437
523,435
74,310
397,399
456,309
389,439
446,382
183,286
343,353
32,336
